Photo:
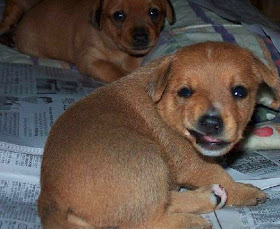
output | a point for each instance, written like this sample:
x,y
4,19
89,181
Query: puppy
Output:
x,y
104,38
117,157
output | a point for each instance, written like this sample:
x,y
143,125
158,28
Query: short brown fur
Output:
x,y
117,157
84,32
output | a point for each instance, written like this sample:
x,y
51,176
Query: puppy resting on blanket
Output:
x,y
104,38
117,157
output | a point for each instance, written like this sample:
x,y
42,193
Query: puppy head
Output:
x,y
208,93
133,25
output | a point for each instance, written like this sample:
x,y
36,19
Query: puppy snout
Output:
x,y
211,123
140,38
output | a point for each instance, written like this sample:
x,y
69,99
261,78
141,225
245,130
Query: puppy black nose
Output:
x,y
211,123
140,38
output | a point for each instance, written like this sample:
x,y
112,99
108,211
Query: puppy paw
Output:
x,y
215,194
219,196
245,195
202,200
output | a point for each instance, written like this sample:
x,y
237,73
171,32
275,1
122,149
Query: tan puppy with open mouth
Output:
x,y
104,38
117,157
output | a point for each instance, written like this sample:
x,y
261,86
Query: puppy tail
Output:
x,y
77,221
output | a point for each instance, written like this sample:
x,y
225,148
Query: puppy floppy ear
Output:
x,y
96,14
269,77
170,14
161,69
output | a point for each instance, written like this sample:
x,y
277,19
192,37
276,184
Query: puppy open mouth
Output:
x,y
207,142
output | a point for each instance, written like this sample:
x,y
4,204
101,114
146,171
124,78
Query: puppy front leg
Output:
x,y
207,172
101,69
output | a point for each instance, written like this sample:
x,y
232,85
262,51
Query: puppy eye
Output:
x,y
185,92
239,92
154,13
119,16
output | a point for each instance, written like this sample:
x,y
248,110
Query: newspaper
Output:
x,y
32,98
262,169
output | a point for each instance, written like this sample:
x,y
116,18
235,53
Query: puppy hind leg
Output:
x,y
133,191
174,212
202,200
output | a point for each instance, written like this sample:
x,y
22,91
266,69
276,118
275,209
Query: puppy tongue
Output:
x,y
210,139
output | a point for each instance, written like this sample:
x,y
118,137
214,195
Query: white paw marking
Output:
x,y
219,194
